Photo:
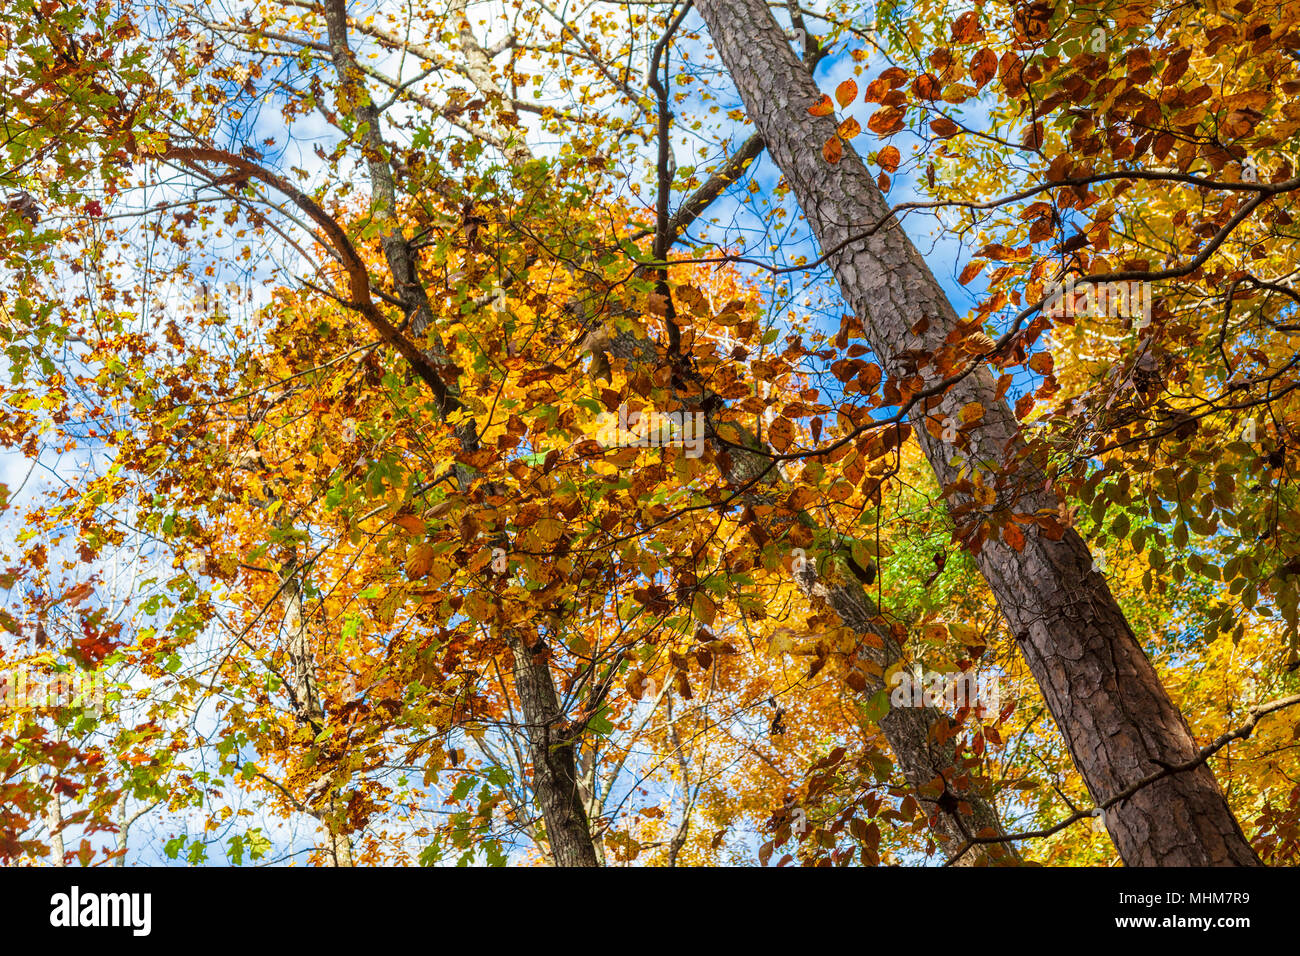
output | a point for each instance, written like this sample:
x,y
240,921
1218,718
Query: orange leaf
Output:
x,y
823,107
894,76
832,151
888,158
848,129
846,92
410,524
1013,536
970,272
419,561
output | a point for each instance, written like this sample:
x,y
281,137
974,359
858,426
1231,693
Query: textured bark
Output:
x,y
1101,689
961,812
555,772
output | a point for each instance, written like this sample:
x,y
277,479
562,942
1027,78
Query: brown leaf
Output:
x,y
943,127
983,66
966,27
889,158
886,122
832,150
927,87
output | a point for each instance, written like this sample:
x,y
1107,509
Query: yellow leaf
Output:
x,y
419,561
549,529
781,642
704,608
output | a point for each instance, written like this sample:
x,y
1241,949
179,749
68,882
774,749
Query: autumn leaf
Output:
x,y
944,127
983,67
848,129
1013,536
888,158
832,150
886,122
411,524
966,27
846,92
419,561
970,413
823,107
927,87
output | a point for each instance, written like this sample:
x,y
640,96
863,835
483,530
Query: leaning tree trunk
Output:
x,y
1102,691
963,808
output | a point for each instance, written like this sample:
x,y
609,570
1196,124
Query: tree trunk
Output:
x,y
1102,691
554,758
555,772
962,810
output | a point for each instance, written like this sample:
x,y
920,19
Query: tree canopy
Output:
x,y
435,433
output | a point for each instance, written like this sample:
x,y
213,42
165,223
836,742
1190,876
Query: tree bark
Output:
x,y
1117,719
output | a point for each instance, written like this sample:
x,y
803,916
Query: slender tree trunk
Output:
x,y
308,706
1102,691
555,779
